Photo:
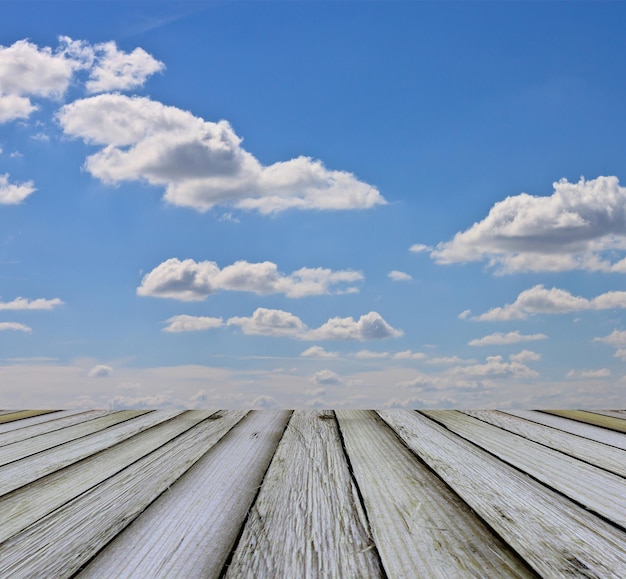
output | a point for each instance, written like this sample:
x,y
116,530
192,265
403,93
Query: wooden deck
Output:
x,y
282,494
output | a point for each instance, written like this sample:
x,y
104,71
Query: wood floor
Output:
x,y
290,494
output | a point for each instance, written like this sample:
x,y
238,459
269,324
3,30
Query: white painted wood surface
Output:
x,y
606,457
609,422
307,520
59,544
421,528
555,536
27,504
596,489
191,530
47,423
21,472
603,435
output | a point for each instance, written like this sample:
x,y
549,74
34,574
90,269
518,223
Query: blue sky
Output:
x,y
312,204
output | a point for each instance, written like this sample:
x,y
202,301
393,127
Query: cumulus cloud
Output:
x,y
189,280
448,360
419,247
156,401
577,227
600,373
15,107
100,371
496,366
368,354
326,378
117,70
399,276
525,356
616,339
267,322
14,326
264,403
184,323
539,300
201,163
13,193
318,352
409,355
499,338
25,304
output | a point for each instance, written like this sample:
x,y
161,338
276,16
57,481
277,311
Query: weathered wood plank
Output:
x,y
62,542
62,421
606,457
31,468
30,503
612,413
21,414
421,528
191,530
596,489
42,418
555,536
307,520
610,437
30,446
610,422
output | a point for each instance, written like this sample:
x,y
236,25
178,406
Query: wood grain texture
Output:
x,y
29,503
556,537
421,528
601,455
59,544
39,419
21,414
610,422
307,520
32,468
612,413
191,530
598,490
36,444
610,437
53,422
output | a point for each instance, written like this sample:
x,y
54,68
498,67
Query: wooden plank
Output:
x,y
555,536
32,502
606,457
62,542
609,422
30,446
191,530
21,414
29,469
62,421
616,439
612,413
307,520
599,491
27,422
421,528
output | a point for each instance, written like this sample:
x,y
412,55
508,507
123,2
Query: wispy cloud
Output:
x,y
499,338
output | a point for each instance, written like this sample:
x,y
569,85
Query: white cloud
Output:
x,y
318,352
100,371
265,322
498,338
13,107
525,356
368,354
421,383
184,323
496,366
189,280
409,355
118,70
616,339
264,403
326,378
539,300
25,304
448,360
316,391
600,373
269,322
14,326
14,193
200,163
156,401
464,314
574,228
419,247
399,276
